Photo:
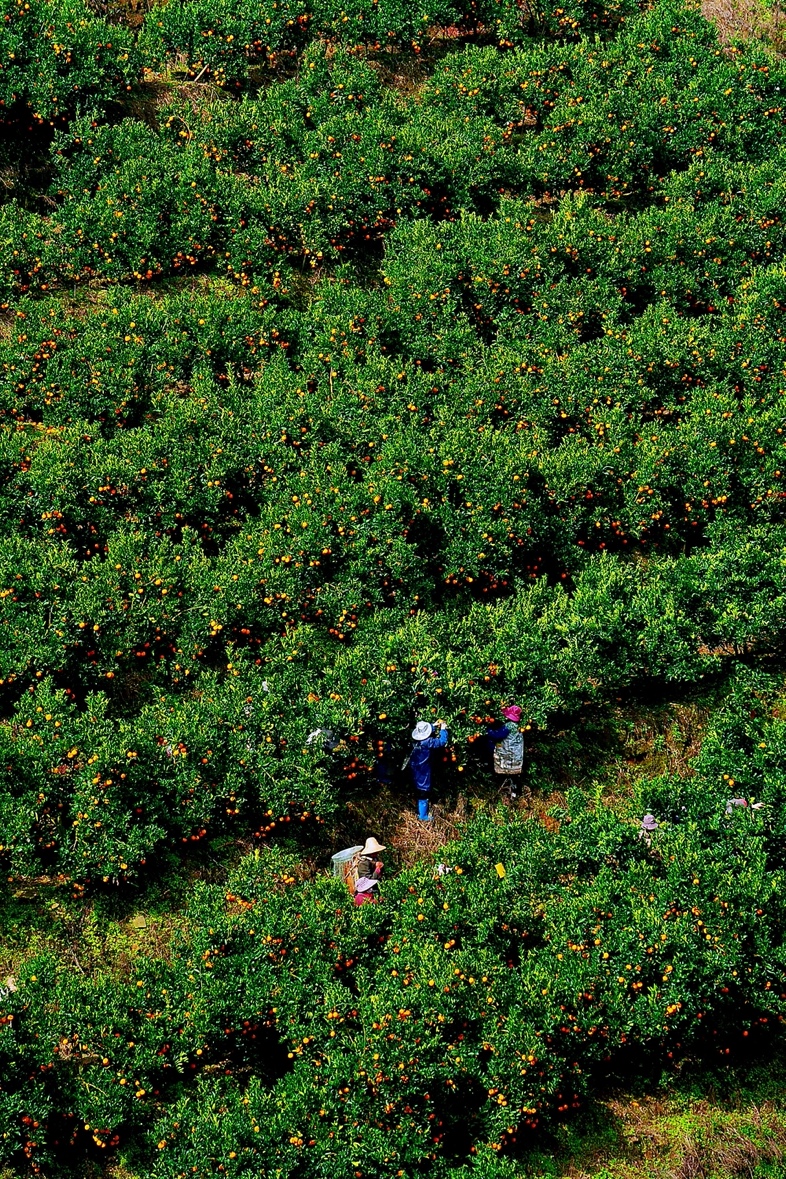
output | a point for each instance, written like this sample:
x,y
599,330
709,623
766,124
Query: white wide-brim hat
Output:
x,y
422,730
371,846
365,884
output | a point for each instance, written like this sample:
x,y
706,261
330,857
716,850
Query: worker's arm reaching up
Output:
x,y
438,741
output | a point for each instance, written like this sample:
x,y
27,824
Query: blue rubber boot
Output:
x,y
423,811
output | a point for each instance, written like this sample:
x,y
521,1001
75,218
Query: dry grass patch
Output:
x,y
392,818
659,1139
747,20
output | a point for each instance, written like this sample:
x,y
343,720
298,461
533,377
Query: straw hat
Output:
x,y
421,731
365,884
512,713
371,846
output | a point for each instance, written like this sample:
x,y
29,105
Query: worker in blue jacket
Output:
x,y
420,761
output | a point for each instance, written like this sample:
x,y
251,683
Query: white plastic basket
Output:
x,y
342,862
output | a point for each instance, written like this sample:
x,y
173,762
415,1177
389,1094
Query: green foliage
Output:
x,y
223,40
183,530
463,1010
323,166
59,58
330,405
208,491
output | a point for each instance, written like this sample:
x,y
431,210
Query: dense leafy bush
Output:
x,y
460,1013
206,490
58,58
223,40
330,405
93,798
321,167
160,459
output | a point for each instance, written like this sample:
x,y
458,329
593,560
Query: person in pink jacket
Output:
x,y
364,891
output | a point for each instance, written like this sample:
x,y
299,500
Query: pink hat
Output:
x,y
512,713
